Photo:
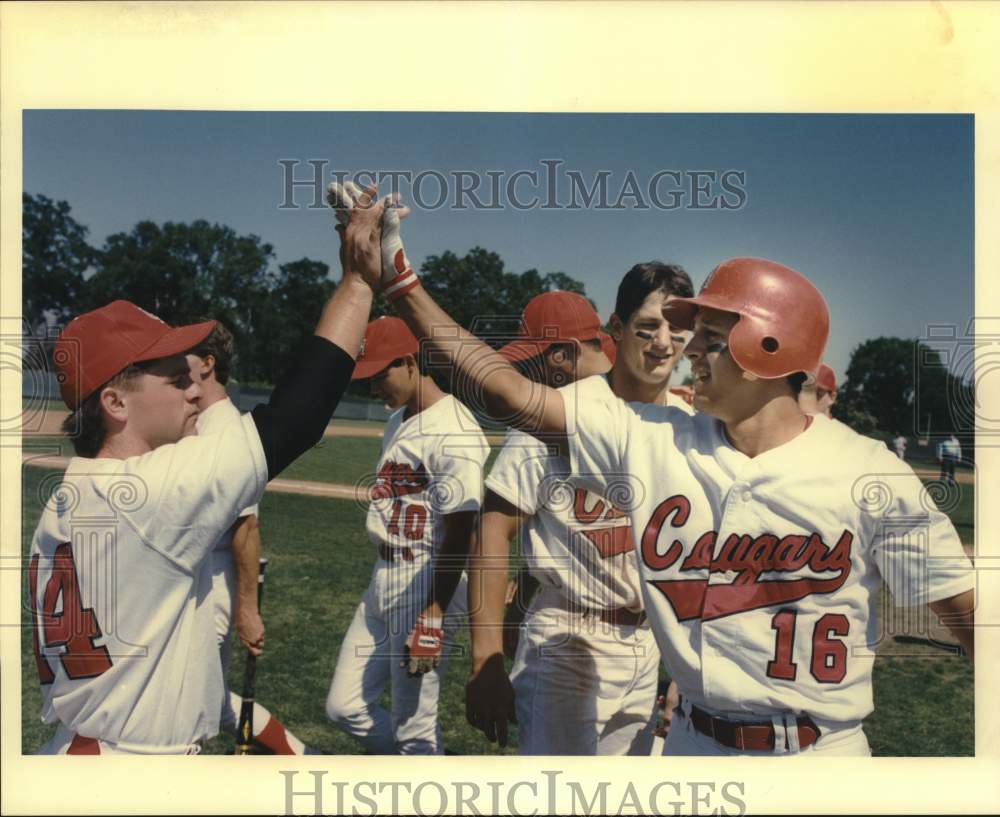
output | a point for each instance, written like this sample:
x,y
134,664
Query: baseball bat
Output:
x,y
244,733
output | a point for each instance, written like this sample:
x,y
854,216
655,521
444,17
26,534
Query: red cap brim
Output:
x,y
525,348
608,346
519,350
681,311
369,368
177,340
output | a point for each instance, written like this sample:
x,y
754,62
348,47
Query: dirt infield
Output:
x,y
283,486
51,423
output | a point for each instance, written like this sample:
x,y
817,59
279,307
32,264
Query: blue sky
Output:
x,y
876,210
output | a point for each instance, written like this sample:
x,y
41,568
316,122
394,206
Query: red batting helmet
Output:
x,y
784,320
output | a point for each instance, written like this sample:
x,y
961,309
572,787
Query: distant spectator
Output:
x,y
899,446
949,452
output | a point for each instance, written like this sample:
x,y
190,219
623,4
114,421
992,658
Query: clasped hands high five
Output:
x,y
371,245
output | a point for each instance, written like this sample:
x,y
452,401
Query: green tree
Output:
x,y
286,315
898,385
55,256
184,271
481,295
879,383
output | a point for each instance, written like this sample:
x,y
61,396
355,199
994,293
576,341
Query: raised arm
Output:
x,y
303,401
482,377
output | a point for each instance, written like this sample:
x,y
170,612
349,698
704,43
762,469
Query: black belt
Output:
x,y
390,554
750,735
617,616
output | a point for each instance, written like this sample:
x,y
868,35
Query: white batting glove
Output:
x,y
398,276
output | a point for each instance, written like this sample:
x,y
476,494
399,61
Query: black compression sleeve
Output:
x,y
302,403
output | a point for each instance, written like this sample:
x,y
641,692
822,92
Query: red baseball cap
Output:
x,y
609,347
385,340
825,378
554,317
97,345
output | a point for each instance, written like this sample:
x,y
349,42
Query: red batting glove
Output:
x,y
424,646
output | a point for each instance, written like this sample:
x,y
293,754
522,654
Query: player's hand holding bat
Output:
x,y
244,729
424,645
250,628
489,699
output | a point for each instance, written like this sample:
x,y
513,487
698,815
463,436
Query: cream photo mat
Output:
x,y
571,57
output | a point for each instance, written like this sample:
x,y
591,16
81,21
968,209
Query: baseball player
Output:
x,y
126,656
424,504
763,554
818,396
235,559
899,446
586,669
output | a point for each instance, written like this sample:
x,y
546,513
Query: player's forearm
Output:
x,y
451,559
345,315
246,562
958,614
487,593
479,371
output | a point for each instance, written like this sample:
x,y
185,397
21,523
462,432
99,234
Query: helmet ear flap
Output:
x,y
745,344
756,348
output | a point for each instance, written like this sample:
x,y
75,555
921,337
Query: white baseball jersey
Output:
x,y
125,653
761,574
950,448
213,420
574,540
431,464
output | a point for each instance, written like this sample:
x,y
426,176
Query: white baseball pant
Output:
x,y
66,742
369,660
847,740
583,687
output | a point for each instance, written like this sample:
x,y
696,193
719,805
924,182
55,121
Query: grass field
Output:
x,y
320,564
343,459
